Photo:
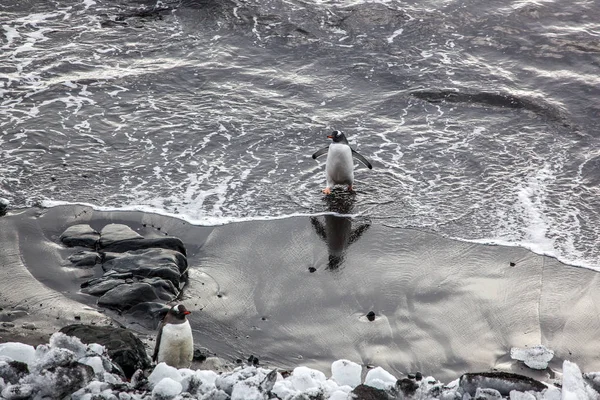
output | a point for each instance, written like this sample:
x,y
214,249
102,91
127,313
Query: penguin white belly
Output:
x,y
339,167
176,345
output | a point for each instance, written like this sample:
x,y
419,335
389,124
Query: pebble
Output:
x,y
29,325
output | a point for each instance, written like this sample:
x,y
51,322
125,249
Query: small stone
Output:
x,y
29,325
512,264
253,360
8,325
371,316
418,376
78,318
411,376
312,269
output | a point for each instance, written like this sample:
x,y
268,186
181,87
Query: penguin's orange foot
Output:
x,y
327,190
350,189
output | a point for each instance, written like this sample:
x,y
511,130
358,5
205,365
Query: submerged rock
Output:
x,y
3,206
85,258
123,347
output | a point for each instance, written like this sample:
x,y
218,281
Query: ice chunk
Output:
x,y
346,372
246,391
55,357
487,394
17,391
60,340
200,382
339,395
166,389
95,363
162,371
573,385
96,348
536,357
18,352
379,378
284,389
304,378
516,395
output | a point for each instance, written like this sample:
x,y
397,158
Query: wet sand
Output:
x,y
297,291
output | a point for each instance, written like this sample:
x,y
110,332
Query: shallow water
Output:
x,y
479,118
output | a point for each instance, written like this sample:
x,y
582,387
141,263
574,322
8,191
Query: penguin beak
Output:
x,y
329,137
186,312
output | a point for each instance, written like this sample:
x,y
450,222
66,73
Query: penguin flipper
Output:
x,y
361,159
157,344
320,152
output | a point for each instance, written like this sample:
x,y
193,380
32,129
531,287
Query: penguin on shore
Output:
x,y
339,167
174,342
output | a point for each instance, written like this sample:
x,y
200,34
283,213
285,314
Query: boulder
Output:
x,y
123,297
123,347
162,263
99,286
80,235
365,392
112,233
168,243
84,258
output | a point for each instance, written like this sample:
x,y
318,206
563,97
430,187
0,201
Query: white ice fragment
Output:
x,y
551,393
536,357
379,378
573,385
162,371
487,394
346,372
18,352
304,378
516,395
96,348
339,395
284,389
17,391
245,391
167,388
201,382
94,362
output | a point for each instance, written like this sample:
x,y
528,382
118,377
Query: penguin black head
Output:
x,y
177,313
338,137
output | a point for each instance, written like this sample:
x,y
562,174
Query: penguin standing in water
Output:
x,y
174,342
339,167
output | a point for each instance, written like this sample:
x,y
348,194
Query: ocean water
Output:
x,y
479,117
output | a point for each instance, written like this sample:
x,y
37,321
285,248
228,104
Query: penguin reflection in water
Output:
x,y
339,166
337,231
174,342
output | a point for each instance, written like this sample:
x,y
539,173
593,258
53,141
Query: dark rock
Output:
x,y
371,316
149,314
112,233
512,264
123,347
252,360
407,386
80,235
125,296
503,382
100,286
364,392
312,269
85,258
166,264
199,356
167,243
418,376
12,371
3,206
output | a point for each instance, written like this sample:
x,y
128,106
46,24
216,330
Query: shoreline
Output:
x,y
269,289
